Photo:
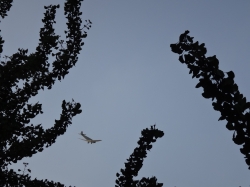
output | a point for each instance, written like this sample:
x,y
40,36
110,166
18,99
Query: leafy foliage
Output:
x,y
5,6
19,139
217,85
135,161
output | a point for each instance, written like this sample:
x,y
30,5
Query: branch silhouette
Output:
x,y
19,139
218,86
135,162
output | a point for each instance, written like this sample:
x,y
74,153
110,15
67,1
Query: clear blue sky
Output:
x,y
127,79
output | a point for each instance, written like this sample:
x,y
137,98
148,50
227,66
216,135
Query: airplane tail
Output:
x,y
82,133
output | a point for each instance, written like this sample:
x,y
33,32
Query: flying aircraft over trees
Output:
x,y
19,138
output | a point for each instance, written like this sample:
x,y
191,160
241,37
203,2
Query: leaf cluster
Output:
x,y
220,86
18,138
135,162
5,6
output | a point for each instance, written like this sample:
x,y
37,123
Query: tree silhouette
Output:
x,y
229,101
18,139
135,161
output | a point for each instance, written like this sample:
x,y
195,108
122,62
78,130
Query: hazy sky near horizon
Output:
x,y
127,79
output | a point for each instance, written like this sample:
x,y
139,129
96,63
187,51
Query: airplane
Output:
x,y
87,139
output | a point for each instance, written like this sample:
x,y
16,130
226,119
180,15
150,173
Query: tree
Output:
x,y
18,139
217,85
135,161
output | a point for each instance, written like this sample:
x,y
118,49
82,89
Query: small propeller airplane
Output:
x,y
87,139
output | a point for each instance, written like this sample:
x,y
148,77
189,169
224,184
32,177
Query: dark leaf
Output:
x,y
221,118
238,139
231,74
181,59
230,126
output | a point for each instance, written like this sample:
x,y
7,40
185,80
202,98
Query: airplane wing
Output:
x,y
83,139
94,141
86,137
